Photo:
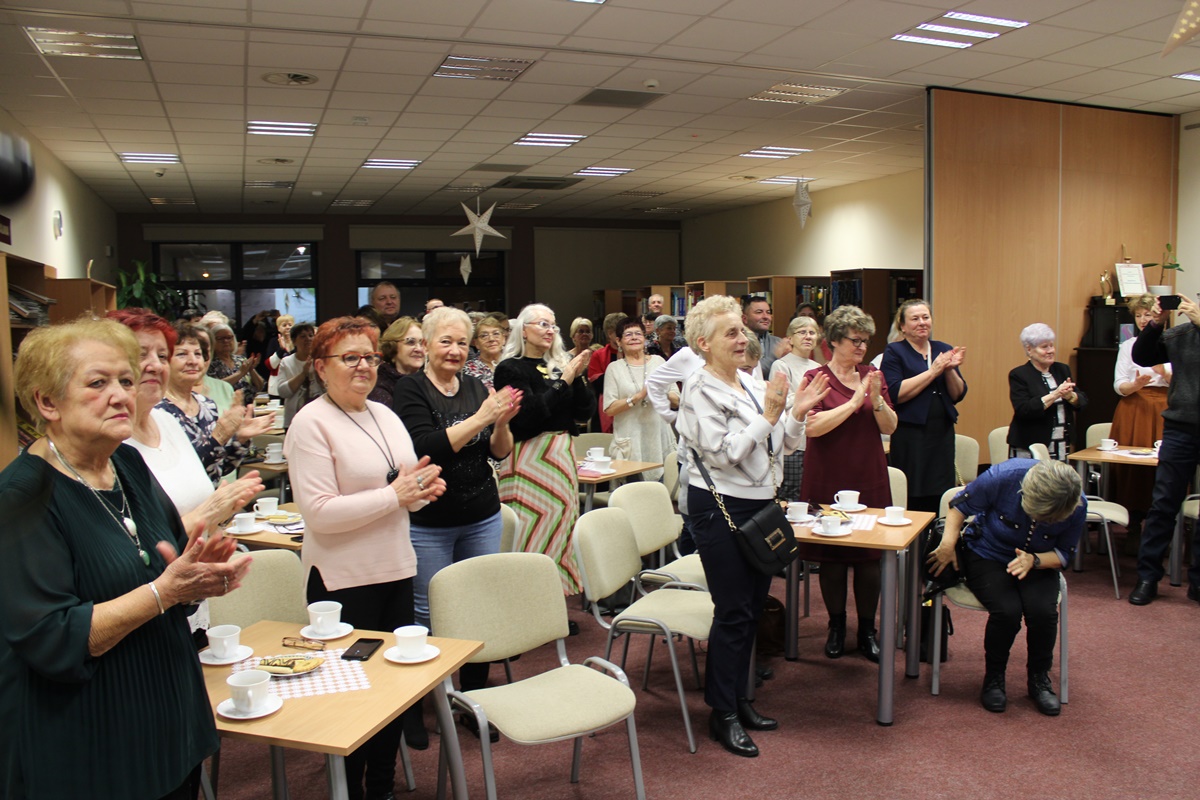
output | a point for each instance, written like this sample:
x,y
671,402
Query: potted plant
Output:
x,y
141,288
1168,262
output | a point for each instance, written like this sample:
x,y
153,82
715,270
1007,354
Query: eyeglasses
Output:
x,y
352,359
489,336
633,335
858,342
410,342
546,326
302,644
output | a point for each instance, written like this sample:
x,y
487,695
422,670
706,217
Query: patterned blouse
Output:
x,y
477,368
218,459
220,370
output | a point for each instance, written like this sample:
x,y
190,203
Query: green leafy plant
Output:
x,y
141,288
1168,262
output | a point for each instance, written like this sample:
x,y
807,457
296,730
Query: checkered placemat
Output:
x,y
335,675
858,522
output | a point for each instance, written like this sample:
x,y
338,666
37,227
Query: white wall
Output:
x,y
89,225
1188,227
872,224
571,262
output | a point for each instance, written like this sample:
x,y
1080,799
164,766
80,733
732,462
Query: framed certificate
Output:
x,y
1131,280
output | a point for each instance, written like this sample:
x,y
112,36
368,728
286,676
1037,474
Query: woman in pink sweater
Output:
x,y
356,478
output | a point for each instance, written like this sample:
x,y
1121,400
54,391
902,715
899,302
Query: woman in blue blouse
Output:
x,y
927,384
1028,517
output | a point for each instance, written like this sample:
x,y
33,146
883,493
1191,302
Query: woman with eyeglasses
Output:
x,y
539,479
356,478
490,336
845,451
403,354
650,438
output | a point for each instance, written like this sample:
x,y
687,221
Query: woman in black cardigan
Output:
x,y
1044,398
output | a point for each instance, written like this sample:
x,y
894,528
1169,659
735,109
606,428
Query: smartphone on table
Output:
x,y
362,650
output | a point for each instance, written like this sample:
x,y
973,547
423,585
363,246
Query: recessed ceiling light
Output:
x,y
269,184
290,78
904,37
172,201
977,34
550,139
517,206
636,193
353,203
999,21
483,68
150,158
604,172
775,152
1187,76
797,93
277,162
264,128
51,42
785,180
389,163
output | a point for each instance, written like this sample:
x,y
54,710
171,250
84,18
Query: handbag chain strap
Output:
x,y
712,488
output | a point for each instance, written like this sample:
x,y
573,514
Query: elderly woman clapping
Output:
x,y
1044,398
739,430
99,679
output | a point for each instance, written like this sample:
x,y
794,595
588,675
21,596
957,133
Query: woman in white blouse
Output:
x,y
803,333
650,438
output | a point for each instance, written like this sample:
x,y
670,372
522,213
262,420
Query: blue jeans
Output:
x,y
1177,461
440,547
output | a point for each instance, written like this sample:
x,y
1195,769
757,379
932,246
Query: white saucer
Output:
x,y
898,524
258,528
848,509
844,530
805,520
428,654
343,629
269,461
244,651
599,471
292,519
229,711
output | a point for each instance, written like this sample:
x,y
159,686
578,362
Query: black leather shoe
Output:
x,y
724,727
1193,592
1144,593
993,696
835,645
868,645
763,673
752,719
1042,693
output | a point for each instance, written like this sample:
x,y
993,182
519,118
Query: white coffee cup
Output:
x,y
831,524
275,447
223,640
797,510
324,616
894,513
266,506
250,690
602,462
1157,446
595,452
244,522
846,498
410,640
1108,444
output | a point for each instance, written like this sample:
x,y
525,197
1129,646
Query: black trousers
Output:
x,y
738,592
379,607
1008,600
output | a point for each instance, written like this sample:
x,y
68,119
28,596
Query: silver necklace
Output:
x,y
126,522
448,392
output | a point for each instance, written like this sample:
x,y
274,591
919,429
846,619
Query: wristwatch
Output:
x,y
1037,562
629,402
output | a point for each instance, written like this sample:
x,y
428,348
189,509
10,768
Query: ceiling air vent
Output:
x,y
618,98
535,182
290,78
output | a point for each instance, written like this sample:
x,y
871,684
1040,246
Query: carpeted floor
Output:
x,y
1127,732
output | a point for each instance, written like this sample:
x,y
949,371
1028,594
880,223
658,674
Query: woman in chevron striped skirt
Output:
x,y
539,481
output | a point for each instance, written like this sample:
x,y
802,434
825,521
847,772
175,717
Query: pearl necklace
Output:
x,y
126,522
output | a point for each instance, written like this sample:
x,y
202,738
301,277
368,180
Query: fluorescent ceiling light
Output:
x,y
666,210
904,37
175,201
264,128
517,206
150,158
269,184
999,21
468,189
929,26
483,68
636,193
51,42
353,203
389,163
775,152
1187,76
797,93
785,180
593,2
550,139
603,172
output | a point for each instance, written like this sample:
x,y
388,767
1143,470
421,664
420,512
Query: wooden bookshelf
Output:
x,y
879,292
780,291
674,298
77,296
698,290
613,301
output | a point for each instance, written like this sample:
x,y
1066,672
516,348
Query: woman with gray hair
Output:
x,y
664,344
1044,398
539,479
1028,517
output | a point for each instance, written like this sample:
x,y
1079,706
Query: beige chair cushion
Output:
x,y
688,569
1113,512
681,610
960,595
272,589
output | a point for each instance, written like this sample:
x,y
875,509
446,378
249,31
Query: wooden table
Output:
x,y
272,540
1094,455
338,724
891,540
621,469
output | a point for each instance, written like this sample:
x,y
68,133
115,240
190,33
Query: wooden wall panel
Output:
x,y
1031,201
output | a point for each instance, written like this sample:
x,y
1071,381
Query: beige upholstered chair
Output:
x,y
657,526
607,552
998,445
1040,452
584,442
966,458
509,522
273,589
513,603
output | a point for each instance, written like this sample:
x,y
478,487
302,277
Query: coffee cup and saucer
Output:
x,y
894,516
251,696
847,500
1107,444
412,646
797,513
324,622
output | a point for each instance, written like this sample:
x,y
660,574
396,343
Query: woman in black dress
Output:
x,y
1044,398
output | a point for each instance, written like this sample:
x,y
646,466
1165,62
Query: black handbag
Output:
x,y
936,584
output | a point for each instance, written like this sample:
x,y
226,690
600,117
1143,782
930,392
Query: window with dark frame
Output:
x,y
424,274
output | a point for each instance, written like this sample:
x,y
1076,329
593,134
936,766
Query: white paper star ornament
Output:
x,y
464,269
478,225
1186,27
802,203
